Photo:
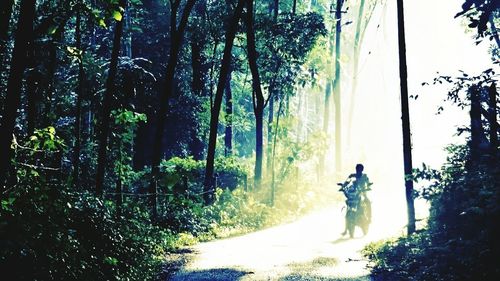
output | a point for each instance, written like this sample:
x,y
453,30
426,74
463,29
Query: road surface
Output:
x,y
311,248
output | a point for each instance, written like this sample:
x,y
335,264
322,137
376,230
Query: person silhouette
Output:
x,y
357,191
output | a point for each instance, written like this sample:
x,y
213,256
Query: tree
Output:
x,y
337,91
257,96
13,96
492,118
106,107
403,76
208,186
5,15
228,136
177,35
79,99
361,26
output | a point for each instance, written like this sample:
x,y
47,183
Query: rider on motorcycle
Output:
x,y
357,191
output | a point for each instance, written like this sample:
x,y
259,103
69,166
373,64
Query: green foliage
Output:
x,y
230,173
49,232
459,243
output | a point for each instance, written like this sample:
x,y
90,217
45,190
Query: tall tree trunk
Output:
x,y
273,172
356,52
492,91
272,98
478,138
128,25
258,97
106,107
405,112
208,189
177,34
228,136
79,93
32,82
326,110
198,88
326,122
337,92
24,34
5,15
270,119
294,7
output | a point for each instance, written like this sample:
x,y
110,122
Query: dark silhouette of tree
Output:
x,y
198,65
13,95
79,98
106,107
228,136
208,186
492,118
257,97
272,95
177,35
5,15
403,75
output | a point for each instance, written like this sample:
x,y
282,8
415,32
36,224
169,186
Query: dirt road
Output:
x,y
311,248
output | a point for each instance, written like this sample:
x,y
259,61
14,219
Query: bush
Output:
x,y
51,234
461,240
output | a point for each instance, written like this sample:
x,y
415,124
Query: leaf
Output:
x,y
102,23
52,30
117,15
52,130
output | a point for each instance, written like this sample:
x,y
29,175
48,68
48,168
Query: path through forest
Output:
x,y
308,249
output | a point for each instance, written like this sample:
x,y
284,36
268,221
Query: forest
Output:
x,y
132,131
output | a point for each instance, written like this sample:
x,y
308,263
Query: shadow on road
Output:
x,y
345,239
217,274
309,271
301,277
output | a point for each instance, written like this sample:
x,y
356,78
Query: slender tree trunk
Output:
x,y
177,34
198,88
119,184
106,107
79,93
128,31
326,110
272,97
337,92
228,136
32,82
50,80
326,122
208,189
492,91
13,96
301,113
270,120
276,10
354,83
403,74
273,172
5,15
258,97
478,141
294,7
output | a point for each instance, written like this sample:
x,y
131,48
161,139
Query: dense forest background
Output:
x,y
131,128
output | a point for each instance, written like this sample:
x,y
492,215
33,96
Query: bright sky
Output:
x,y
436,41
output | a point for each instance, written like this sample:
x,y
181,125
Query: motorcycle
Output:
x,y
358,207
